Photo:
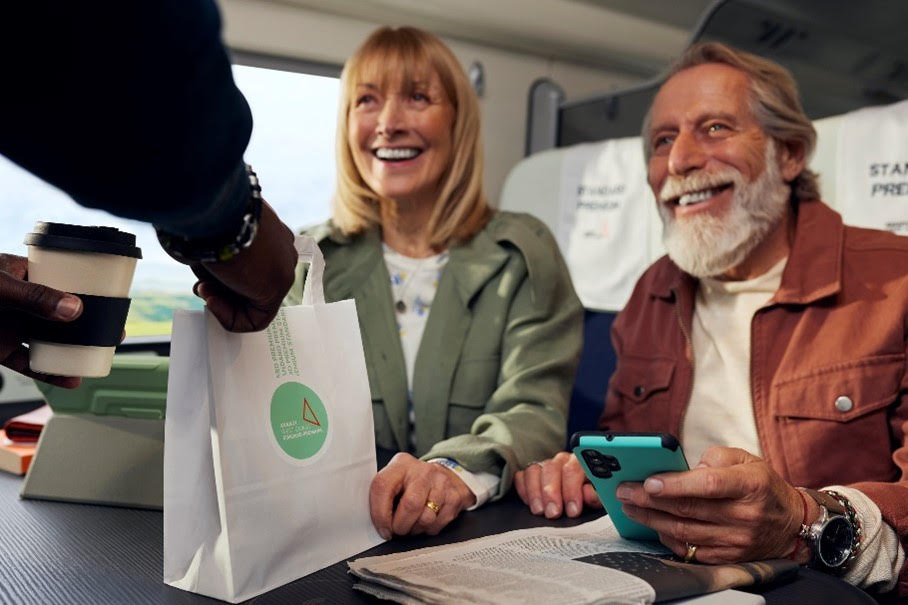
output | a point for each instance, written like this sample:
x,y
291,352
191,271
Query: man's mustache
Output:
x,y
676,186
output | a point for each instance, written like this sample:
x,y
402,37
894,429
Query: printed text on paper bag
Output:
x,y
280,346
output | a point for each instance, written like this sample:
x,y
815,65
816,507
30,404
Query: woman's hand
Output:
x,y
555,486
732,506
414,484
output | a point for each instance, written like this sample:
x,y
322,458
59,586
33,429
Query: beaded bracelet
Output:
x,y
855,521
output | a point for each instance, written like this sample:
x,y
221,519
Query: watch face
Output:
x,y
836,540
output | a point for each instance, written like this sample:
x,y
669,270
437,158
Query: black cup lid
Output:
x,y
106,240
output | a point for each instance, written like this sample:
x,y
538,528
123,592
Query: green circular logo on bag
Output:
x,y
299,420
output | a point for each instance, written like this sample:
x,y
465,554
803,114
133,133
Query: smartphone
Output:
x,y
610,458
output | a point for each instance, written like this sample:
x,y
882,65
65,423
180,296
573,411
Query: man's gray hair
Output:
x,y
775,103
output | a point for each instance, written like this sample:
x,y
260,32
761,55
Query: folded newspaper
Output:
x,y
585,564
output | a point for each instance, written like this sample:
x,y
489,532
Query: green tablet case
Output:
x,y
105,442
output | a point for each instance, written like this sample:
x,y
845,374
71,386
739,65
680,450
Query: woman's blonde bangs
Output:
x,y
397,58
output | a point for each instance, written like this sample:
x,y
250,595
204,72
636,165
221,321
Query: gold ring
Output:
x,y
433,506
691,552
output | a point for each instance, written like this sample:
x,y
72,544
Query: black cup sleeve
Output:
x,y
100,325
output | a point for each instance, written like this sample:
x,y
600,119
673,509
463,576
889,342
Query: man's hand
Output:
x,y
246,292
555,486
18,300
413,483
732,506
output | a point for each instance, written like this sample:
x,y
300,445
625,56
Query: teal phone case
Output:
x,y
609,459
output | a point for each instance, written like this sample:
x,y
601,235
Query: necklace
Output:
x,y
400,305
405,272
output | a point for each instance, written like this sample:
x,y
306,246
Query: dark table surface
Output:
x,y
54,552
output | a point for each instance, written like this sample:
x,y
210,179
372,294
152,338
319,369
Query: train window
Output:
x,y
292,150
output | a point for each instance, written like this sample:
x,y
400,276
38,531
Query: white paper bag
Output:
x,y
269,447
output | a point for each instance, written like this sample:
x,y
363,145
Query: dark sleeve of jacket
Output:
x,y
128,107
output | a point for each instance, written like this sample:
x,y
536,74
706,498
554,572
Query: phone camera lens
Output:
x,y
592,457
600,464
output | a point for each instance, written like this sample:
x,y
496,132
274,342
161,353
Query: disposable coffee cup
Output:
x,y
96,264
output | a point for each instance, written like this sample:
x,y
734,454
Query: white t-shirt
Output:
x,y
414,282
721,407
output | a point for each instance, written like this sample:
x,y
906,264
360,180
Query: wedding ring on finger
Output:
x,y
538,463
691,553
433,506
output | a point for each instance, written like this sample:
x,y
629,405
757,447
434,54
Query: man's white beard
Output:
x,y
705,245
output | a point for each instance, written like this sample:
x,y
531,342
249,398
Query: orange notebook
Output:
x,y
15,457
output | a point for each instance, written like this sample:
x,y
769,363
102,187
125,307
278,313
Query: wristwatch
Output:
x,y
219,249
834,537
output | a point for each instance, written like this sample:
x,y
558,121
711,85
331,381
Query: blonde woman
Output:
x,y
470,325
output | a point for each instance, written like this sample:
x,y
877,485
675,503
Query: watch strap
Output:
x,y
482,484
826,500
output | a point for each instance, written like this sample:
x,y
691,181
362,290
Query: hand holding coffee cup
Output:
x,y
97,265
20,301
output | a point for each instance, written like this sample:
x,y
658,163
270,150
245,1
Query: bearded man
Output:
x,y
771,340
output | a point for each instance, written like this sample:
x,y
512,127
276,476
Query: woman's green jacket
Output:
x,y
496,364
